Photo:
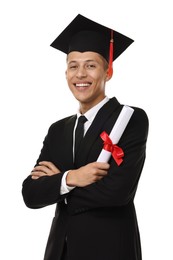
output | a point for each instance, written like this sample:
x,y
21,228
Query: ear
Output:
x,y
108,76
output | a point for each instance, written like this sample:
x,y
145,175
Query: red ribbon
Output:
x,y
116,151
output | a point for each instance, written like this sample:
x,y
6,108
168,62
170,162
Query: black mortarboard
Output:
x,y
83,34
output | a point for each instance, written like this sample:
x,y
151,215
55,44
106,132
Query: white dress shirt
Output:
x,y
90,115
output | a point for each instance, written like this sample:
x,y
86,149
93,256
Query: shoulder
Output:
x,y
139,121
60,124
62,121
140,116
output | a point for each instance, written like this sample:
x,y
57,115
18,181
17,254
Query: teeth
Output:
x,y
82,84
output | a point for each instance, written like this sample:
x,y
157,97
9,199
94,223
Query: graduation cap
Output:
x,y
83,34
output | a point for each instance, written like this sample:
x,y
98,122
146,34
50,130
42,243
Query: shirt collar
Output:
x,y
91,113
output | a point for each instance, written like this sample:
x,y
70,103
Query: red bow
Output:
x,y
116,151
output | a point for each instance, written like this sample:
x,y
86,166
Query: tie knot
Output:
x,y
82,119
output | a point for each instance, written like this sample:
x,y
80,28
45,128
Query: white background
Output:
x,y
34,94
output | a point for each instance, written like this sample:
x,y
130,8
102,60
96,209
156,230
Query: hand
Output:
x,y
44,169
87,174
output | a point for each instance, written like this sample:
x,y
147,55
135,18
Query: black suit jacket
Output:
x,y
99,220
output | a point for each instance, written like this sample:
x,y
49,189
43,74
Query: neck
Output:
x,y
84,107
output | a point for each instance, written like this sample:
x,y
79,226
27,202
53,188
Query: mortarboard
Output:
x,y
83,34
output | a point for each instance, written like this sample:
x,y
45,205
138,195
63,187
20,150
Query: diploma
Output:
x,y
110,147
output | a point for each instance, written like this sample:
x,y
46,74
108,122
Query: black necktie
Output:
x,y
79,132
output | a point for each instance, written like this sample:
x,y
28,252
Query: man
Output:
x,y
95,216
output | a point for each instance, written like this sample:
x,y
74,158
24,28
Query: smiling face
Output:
x,y
86,77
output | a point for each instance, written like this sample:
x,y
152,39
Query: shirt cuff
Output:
x,y
64,187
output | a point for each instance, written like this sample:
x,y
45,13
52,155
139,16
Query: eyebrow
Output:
x,y
83,61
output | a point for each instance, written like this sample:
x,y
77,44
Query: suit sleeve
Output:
x,y
45,190
119,186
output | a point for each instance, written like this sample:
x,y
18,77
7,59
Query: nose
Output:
x,y
81,72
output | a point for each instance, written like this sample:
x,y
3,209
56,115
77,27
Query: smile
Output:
x,y
82,85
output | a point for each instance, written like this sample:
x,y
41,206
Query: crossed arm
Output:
x,y
81,177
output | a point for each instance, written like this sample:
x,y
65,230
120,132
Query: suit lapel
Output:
x,y
68,143
92,143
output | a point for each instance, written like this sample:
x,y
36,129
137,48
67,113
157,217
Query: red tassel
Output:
x,y
111,51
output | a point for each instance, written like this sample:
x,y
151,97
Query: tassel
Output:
x,y
111,53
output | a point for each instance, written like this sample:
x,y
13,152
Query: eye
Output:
x,y
91,66
72,67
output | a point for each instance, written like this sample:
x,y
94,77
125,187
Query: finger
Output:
x,y
104,166
43,169
97,178
37,174
102,173
34,177
50,165
100,165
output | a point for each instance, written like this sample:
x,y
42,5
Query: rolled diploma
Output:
x,y
117,131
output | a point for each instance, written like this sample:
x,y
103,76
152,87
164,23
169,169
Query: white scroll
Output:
x,y
117,131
